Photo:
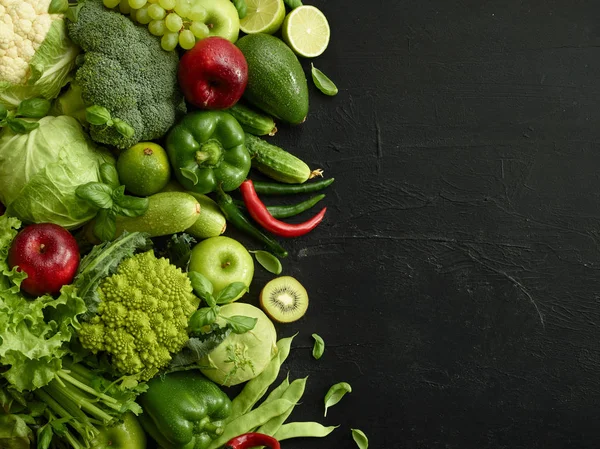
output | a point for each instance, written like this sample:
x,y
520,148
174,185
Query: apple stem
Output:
x,y
226,264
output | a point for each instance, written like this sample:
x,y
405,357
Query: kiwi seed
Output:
x,y
284,299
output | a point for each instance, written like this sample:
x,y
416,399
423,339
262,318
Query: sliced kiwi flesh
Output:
x,y
284,299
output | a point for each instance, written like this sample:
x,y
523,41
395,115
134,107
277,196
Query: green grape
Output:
x,y
156,12
173,22
167,4
169,41
187,40
111,3
142,16
183,7
198,14
124,7
199,29
157,27
136,4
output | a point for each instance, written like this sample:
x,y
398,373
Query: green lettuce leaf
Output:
x,y
33,332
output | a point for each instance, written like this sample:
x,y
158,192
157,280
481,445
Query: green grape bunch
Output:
x,y
176,22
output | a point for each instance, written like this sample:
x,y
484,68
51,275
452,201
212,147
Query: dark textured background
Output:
x,y
455,278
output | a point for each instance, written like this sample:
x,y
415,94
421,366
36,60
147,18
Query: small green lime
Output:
x,y
144,168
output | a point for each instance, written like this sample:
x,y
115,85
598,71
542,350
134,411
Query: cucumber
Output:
x,y
276,81
211,221
277,163
168,213
253,122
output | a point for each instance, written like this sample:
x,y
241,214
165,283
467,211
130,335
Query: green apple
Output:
x,y
222,260
126,435
222,18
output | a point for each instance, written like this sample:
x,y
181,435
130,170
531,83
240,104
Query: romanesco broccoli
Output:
x,y
125,70
143,316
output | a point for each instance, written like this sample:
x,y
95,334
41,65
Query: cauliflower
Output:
x,y
143,316
36,55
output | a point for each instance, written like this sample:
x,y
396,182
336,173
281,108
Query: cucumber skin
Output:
x,y
275,162
276,81
253,122
168,213
211,221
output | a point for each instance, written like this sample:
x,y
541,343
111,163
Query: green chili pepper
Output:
x,y
239,221
275,188
288,210
207,149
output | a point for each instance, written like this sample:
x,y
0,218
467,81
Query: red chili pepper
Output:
x,y
259,212
249,440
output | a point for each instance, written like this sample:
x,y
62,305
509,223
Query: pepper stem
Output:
x,y
209,154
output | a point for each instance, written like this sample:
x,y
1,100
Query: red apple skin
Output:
x,y
213,74
49,255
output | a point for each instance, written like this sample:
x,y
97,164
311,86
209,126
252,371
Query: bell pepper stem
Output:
x,y
209,154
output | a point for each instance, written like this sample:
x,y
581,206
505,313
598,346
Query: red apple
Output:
x,y
48,253
213,74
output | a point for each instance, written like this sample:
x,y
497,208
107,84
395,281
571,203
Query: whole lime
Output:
x,y
144,168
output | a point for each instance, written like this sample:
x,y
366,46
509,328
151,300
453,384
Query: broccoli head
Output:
x,y
125,70
143,316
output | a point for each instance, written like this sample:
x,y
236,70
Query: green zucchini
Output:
x,y
277,163
253,122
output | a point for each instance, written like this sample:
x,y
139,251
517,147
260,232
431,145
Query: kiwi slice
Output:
x,y
284,299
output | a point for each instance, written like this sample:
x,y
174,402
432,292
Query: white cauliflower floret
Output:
x,y
25,24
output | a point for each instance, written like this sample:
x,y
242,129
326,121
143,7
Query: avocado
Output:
x,y
276,81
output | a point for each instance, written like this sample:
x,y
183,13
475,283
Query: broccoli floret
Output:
x,y
125,70
143,316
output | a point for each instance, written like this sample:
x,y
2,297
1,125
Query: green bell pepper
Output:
x,y
207,149
183,410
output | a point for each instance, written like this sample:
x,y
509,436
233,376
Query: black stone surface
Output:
x,y
455,278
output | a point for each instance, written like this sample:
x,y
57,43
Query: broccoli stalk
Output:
x,y
79,402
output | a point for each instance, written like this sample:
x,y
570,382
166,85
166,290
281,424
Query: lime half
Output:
x,y
263,16
306,31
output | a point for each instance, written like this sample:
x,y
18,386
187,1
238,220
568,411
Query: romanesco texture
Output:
x,y
125,70
143,316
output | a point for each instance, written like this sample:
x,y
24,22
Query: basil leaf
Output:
x,y
323,83
73,12
97,194
97,115
105,227
21,126
335,394
202,317
58,6
3,112
33,108
268,261
202,287
123,128
360,438
189,174
130,206
319,347
109,175
240,324
232,291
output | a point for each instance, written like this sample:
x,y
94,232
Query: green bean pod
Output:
x,y
303,430
251,420
257,387
293,394
278,392
276,188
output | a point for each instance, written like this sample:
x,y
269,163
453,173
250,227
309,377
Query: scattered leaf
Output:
x,y
319,347
323,83
202,287
335,394
268,261
360,438
232,291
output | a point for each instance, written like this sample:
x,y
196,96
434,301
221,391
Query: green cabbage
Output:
x,y
40,171
50,69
